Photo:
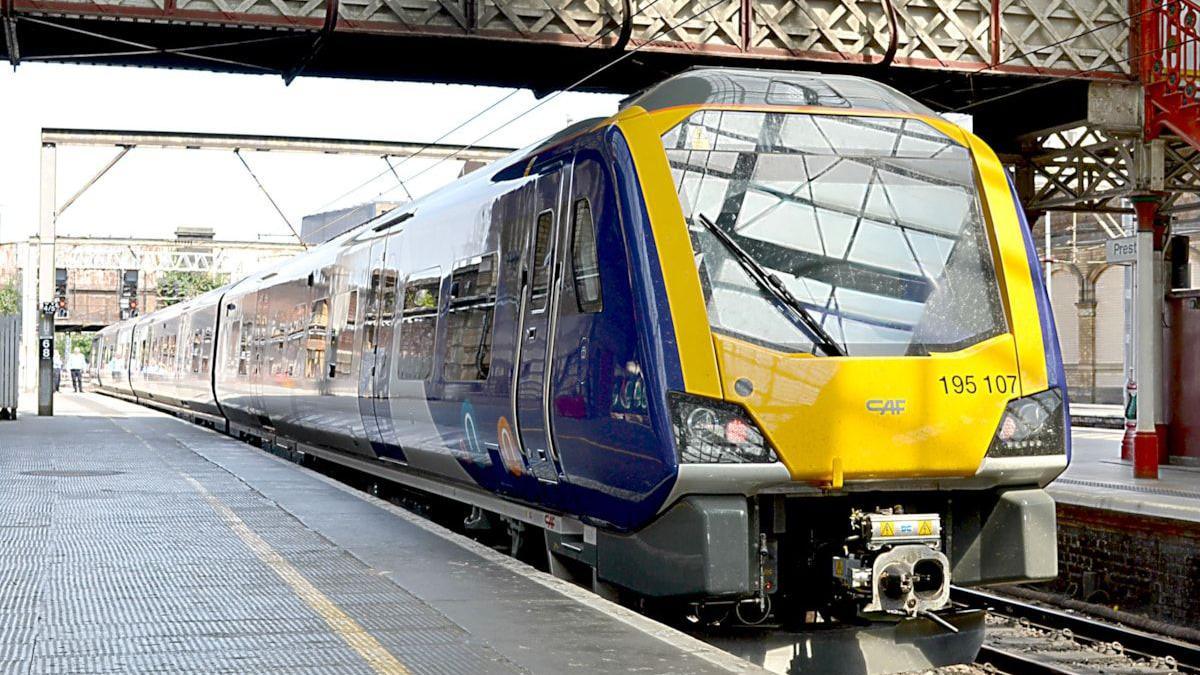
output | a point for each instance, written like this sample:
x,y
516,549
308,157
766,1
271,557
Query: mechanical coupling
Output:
x,y
893,563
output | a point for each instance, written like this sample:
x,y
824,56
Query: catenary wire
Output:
x,y
669,27
665,29
468,121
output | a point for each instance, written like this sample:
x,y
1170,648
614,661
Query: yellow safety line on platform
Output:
x,y
376,656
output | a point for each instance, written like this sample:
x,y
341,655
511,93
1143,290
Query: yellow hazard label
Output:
x,y
887,529
839,567
925,528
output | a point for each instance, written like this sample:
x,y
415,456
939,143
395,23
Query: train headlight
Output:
x,y
716,432
1032,425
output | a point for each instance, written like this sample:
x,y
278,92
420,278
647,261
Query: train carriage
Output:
x,y
760,337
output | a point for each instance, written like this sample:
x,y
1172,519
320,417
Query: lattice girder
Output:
x,y
1031,36
1084,168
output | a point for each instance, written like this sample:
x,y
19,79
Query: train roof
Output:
x,y
748,86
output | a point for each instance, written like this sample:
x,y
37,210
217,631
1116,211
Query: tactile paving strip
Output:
x,y
111,561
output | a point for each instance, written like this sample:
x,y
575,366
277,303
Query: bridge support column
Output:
x,y
1148,321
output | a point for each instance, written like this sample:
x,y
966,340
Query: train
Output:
x,y
765,340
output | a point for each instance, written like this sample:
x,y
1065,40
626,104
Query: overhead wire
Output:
x,y
669,27
439,139
603,34
666,28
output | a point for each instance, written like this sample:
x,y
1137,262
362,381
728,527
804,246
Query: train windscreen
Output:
x,y
861,231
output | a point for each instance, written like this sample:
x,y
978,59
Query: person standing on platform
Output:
x,y
57,365
76,363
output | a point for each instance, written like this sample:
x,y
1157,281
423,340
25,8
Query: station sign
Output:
x,y
1121,251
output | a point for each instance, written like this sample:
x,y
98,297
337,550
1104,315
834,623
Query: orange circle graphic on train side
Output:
x,y
510,453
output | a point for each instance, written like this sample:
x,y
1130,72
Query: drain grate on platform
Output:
x,y
70,473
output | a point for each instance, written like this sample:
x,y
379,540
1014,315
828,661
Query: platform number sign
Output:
x,y
46,348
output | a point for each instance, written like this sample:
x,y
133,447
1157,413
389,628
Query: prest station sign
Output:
x,y
1121,251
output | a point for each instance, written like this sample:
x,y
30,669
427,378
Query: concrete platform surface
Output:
x,y
1098,478
131,541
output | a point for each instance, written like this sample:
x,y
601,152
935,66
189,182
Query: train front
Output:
x,y
865,341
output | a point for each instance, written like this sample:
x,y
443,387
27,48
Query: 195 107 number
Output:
x,y
969,384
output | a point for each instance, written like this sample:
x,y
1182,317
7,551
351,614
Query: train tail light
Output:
x,y
1031,426
716,432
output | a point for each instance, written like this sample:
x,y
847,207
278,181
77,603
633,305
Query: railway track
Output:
x,y
1028,638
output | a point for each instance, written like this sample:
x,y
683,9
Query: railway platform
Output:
x,y
1097,478
1127,547
131,541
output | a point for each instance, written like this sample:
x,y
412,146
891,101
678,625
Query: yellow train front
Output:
x,y
867,356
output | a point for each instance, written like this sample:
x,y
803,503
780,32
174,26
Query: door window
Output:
x,y
584,259
541,258
315,337
345,339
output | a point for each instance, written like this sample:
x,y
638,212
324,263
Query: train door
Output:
x,y
539,262
370,372
385,346
258,348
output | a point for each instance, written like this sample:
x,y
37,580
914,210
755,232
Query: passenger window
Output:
x,y
469,315
315,338
418,325
584,259
541,258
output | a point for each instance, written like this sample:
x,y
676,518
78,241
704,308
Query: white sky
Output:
x,y
151,192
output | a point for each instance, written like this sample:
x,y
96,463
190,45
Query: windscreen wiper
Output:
x,y
771,284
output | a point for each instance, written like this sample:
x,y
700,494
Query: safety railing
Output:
x,y
1169,57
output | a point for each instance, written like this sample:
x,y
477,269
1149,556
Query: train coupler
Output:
x,y
893,563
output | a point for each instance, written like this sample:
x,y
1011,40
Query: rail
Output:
x,y
1154,650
